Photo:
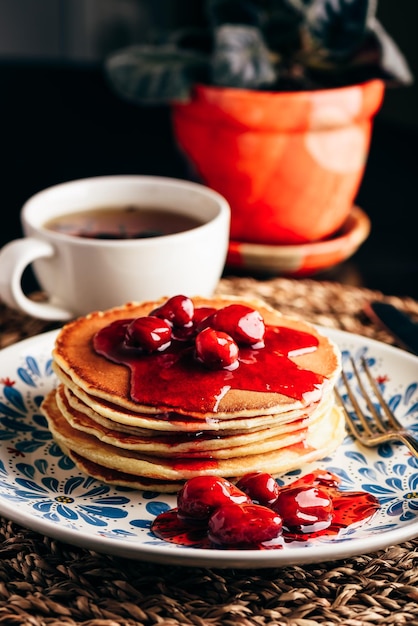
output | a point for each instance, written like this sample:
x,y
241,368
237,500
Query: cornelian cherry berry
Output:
x,y
244,324
317,478
202,495
201,315
243,524
216,349
149,333
304,509
260,487
177,310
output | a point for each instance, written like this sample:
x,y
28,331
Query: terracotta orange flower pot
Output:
x,y
290,164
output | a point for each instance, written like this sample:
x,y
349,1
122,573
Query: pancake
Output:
x,y
318,440
153,418
201,444
129,421
75,356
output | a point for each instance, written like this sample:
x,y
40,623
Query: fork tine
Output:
x,y
356,406
375,414
388,413
367,435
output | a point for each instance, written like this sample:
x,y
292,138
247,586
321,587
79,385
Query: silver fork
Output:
x,y
378,427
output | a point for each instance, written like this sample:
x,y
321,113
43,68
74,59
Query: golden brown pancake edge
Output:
x,y
75,356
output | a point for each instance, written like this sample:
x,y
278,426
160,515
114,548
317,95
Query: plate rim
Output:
x,y
201,557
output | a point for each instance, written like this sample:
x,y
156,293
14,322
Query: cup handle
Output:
x,y
15,257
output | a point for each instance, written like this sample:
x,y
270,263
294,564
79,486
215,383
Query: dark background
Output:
x,y
61,121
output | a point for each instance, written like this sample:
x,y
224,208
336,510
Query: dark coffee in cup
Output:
x,y
128,222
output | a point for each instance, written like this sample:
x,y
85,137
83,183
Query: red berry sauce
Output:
x,y
243,525
202,354
164,378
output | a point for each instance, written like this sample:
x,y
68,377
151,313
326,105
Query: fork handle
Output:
x,y
408,440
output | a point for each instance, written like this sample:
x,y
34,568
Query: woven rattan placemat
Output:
x,y
46,582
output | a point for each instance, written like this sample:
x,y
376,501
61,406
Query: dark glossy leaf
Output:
x,y
391,61
262,44
241,58
282,31
154,75
338,26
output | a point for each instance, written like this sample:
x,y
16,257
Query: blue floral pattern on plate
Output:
x,y
42,489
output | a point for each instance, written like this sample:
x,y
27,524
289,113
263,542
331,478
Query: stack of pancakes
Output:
x,y
159,446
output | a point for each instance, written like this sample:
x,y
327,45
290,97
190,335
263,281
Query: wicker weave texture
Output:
x,y
44,582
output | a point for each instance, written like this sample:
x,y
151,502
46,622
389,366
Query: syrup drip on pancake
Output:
x,y
174,373
153,394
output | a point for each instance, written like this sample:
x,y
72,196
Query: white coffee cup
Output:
x,y
80,275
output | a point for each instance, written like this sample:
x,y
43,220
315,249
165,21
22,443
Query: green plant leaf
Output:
x,y
148,74
282,45
391,60
338,26
241,58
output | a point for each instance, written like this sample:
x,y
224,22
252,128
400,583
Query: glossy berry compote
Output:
x,y
149,333
202,495
214,513
243,323
200,353
216,349
260,487
305,509
179,312
237,525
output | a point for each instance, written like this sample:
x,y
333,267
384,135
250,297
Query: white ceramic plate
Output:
x,y
40,488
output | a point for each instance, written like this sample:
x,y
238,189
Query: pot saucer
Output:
x,y
302,259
